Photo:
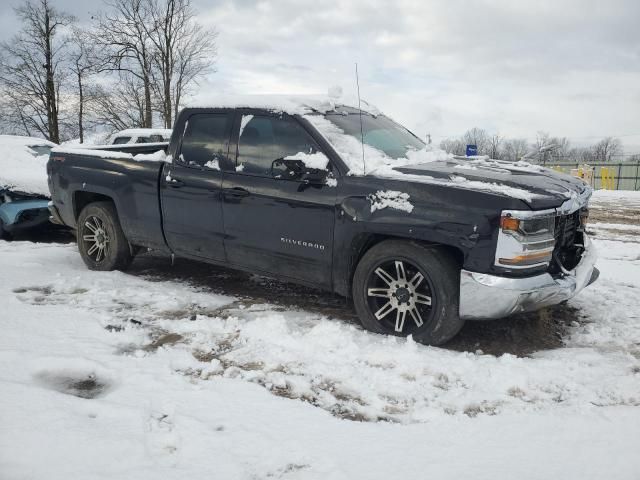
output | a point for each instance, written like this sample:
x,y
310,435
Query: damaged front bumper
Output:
x,y
484,296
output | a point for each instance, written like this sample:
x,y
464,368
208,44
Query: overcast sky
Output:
x,y
569,67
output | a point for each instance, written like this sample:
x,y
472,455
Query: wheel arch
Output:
x,y
83,198
363,243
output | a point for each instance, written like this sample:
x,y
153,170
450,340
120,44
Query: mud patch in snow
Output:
x,y
79,384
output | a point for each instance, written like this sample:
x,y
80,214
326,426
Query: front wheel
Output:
x,y
101,241
404,288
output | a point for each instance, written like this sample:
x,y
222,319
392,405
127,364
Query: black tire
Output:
x,y
100,238
428,310
3,233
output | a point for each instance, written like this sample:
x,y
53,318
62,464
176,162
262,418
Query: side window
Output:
x,y
265,138
121,140
205,140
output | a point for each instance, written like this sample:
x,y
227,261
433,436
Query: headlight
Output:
x,y
526,239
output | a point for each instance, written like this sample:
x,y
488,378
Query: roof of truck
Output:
x,y
292,104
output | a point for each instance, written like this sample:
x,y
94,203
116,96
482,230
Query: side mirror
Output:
x,y
315,176
293,169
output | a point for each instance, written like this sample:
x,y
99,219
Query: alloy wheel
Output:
x,y
399,296
96,238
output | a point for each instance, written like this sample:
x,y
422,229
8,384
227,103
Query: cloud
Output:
x,y
571,67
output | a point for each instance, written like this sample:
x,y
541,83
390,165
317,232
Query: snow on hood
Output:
x,y
21,169
431,165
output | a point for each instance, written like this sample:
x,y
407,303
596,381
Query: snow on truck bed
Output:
x,y
20,169
158,156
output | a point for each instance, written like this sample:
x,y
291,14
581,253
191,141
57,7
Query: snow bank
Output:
x,y
622,196
20,168
112,375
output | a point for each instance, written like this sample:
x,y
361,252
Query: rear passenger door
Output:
x,y
191,187
274,224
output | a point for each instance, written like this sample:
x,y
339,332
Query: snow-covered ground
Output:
x,y
111,375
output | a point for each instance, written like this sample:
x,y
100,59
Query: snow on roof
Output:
x,y
20,169
291,104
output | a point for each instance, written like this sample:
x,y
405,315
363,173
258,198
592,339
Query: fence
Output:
x,y
611,176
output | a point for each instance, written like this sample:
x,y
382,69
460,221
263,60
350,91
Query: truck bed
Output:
x,y
128,174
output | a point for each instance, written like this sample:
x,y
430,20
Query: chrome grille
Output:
x,y
566,228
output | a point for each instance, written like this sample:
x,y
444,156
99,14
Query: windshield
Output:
x,y
377,131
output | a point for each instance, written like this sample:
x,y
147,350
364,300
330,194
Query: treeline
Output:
x,y
132,66
545,149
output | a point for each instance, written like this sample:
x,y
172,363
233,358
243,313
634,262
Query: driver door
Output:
x,y
276,224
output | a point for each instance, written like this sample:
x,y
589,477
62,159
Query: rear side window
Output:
x,y
205,141
265,138
143,140
121,140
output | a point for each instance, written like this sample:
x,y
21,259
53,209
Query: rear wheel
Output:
x,y
404,288
101,241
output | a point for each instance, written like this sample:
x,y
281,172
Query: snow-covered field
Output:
x,y
111,375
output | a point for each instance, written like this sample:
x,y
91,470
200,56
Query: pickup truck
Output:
x,y
339,198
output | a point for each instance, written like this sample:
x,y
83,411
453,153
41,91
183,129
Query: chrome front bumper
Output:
x,y
484,296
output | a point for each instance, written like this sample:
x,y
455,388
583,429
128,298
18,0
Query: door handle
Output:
x,y
174,182
235,192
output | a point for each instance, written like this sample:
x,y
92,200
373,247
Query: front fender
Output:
x,y
358,228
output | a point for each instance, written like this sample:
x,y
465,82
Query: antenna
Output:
x,y
364,166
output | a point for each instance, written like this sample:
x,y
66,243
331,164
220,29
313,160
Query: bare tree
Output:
x,y
607,149
183,51
124,35
477,136
84,63
120,106
494,146
455,146
515,149
31,71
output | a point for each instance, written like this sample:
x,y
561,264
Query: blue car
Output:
x,y
20,212
24,193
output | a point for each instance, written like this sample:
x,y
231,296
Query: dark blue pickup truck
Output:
x,y
340,199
